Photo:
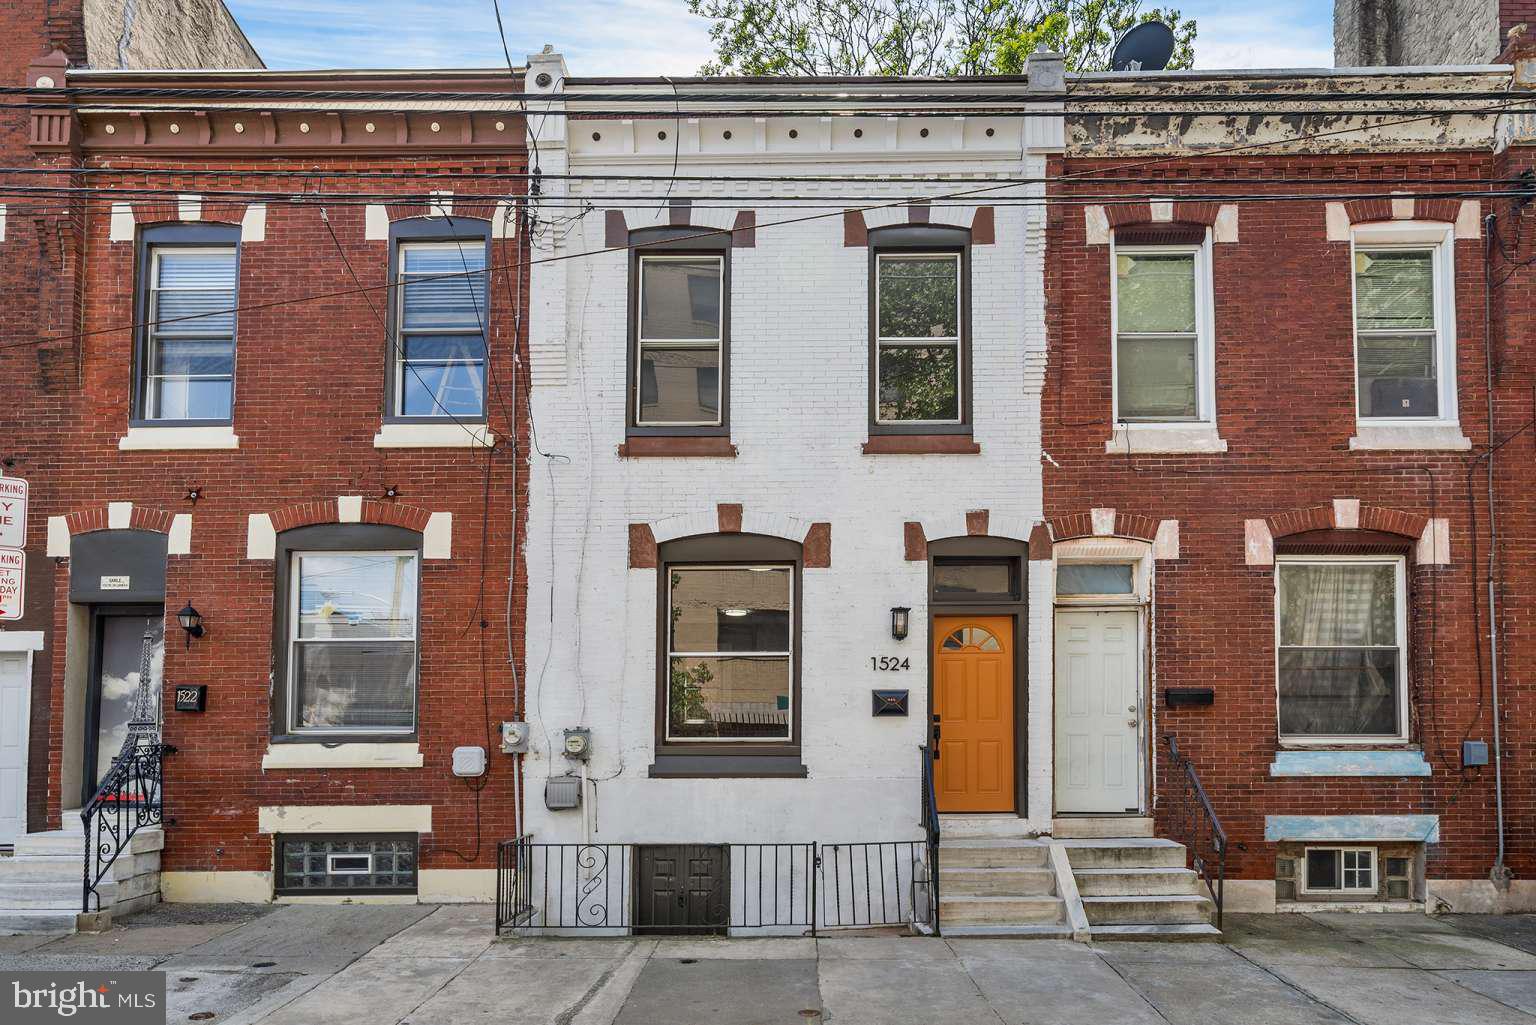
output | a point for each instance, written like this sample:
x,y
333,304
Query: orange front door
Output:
x,y
973,700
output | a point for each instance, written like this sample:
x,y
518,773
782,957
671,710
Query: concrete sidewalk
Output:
x,y
311,965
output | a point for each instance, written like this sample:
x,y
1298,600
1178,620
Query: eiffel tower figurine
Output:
x,y
143,723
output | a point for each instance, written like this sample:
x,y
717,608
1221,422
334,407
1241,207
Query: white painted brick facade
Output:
x,y
798,408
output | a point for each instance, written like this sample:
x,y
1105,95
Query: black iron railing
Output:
x,y
931,830
1195,825
784,888
129,797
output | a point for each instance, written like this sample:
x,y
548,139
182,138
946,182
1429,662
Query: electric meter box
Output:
x,y
562,793
514,738
469,761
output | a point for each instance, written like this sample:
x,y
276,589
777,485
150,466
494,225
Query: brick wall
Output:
x,y
1284,396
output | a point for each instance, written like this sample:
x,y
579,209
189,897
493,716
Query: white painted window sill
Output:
x,y
1409,437
178,439
342,756
1153,439
448,435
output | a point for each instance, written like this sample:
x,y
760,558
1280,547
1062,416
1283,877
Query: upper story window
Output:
x,y
440,319
1164,353
919,330
680,340
1341,643
1405,345
348,630
189,289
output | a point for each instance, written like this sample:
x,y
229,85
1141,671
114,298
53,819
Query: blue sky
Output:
x,y
660,37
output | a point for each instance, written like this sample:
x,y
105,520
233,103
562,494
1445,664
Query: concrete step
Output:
x,y
1124,852
64,893
995,882
1172,909
1109,882
991,854
984,826
1164,933
1083,827
998,910
38,922
1016,932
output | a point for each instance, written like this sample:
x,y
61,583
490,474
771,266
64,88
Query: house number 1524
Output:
x,y
889,663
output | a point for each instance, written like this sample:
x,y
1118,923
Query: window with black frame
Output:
x,y
919,353
680,335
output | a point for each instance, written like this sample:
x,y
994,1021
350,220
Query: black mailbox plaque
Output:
x,y
1186,697
191,697
889,702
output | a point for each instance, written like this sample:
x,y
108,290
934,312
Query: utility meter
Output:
x,y
514,738
578,743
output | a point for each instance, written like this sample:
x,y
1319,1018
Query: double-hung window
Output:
x,y
919,369
1163,353
186,361
1341,646
439,352
679,340
730,652
352,628
1404,323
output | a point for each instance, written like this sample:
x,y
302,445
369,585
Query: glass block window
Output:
x,y
918,313
347,864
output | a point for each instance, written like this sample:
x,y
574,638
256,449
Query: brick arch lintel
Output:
x,y
815,538
308,514
120,516
1337,517
916,534
1110,523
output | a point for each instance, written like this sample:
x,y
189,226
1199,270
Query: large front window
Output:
x,y
188,369
680,338
729,653
918,349
352,642
1341,645
440,350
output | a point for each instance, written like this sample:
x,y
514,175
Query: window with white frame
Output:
x,y
1163,352
1341,644
680,339
352,638
1340,870
441,316
919,355
188,359
1405,345
730,672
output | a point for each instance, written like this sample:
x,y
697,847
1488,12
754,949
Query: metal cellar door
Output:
x,y
682,888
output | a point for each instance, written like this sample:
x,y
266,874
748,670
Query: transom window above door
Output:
x,y
1341,640
1163,348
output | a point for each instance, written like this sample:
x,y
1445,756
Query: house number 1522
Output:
x,y
889,663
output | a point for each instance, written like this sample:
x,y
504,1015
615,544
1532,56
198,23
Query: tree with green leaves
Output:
x,y
922,37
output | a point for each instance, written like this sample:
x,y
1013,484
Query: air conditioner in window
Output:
x,y
1405,396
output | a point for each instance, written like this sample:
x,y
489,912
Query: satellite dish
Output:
x,y
1147,47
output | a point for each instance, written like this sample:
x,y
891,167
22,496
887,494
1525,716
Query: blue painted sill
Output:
x,y
1349,763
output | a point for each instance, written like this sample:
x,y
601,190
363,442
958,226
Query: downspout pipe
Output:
x,y
1500,874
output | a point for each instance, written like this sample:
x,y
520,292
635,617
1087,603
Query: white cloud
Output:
x,y
1278,35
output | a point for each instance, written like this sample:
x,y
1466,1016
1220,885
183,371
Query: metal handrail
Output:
x,y
129,797
1202,831
931,829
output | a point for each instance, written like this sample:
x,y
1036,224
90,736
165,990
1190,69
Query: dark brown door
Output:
x,y
682,888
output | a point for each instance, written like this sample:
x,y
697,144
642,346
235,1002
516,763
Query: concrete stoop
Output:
x,y
995,879
1138,888
41,884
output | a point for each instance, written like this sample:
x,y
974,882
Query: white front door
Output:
x,y
15,719
1098,712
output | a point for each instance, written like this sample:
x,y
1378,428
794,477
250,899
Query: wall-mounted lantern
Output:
x,y
191,621
899,618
